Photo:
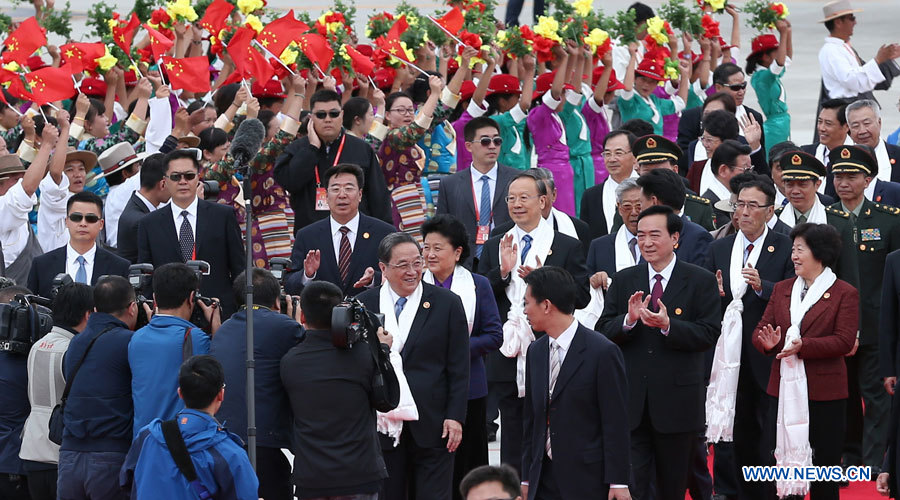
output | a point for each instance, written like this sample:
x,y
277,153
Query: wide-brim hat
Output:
x,y
192,141
762,43
799,166
852,160
88,158
10,164
543,83
504,84
116,158
836,9
724,206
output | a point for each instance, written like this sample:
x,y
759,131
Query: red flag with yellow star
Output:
x,y
248,62
159,43
188,73
361,64
452,21
400,25
51,84
215,16
392,47
22,42
281,32
316,48
81,56
17,89
123,35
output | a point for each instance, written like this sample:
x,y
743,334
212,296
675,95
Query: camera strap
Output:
x,y
187,345
179,452
80,361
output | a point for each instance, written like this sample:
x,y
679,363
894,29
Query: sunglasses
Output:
x,y
737,86
77,217
188,176
486,141
334,113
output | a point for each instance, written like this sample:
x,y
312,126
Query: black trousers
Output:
x,y
700,483
42,484
664,457
866,432
514,8
511,422
754,439
13,487
472,451
417,473
274,472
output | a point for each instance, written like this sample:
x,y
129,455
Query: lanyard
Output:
x,y
337,159
475,203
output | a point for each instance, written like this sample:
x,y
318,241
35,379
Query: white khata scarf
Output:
x,y
463,285
816,214
391,423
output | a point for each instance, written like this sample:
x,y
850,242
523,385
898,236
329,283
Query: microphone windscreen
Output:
x,y
247,140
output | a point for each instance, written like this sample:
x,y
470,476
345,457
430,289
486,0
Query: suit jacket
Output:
x,y
693,243
889,319
690,130
435,361
456,199
602,255
828,331
587,416
45,267
565,252
592,211
317,236
720,217
780,227
666,371
581,229
774,265
217,241
486,337
133,212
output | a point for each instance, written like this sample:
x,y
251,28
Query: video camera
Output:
x,y
201,269
141,278
27,318
279,267
351,322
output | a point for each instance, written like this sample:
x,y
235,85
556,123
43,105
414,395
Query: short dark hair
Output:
x,y
531,174
638,127
173,284
85,197
724,71
200,379
393,96
265,116
823,241
210,139
317,300
71,303
347,168
642,12
266,289
324,95
113,294
666,185
503,474
554,284
118,177
721,124
451,228
778,151
179,154
386,247
839,106
674,224
478,123
725,98
727,154
154,170
223,98
355,107
734,184
616,133
763,184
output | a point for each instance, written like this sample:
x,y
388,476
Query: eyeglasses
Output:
x,y
618,153
415,265
334,113
521,198
751,205
77,217
486,141
342,189
736,87
708,139
628,207
176,176
403,111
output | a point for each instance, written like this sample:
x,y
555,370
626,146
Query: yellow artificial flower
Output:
x,y
501,36
672,74
717,4
784,9
583,7
112,23
343,52
107,61
412,20
249,6
548,28
656,28
254,23
12,66
596,38
289,54
181,9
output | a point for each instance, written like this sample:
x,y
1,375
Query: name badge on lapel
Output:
x,y
873,234
321,200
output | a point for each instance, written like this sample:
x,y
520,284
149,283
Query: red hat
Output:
x,y
693,56
652,69
723,45
762,43
504,84
384,78
93,87
614,83
543,84
272,88
35,63
467,90
131,78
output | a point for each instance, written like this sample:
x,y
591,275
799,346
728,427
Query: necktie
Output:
x,y
81,274
554,373
526,247
801,219
345,252
747,253
398,307
632,244
484,212
186,237
656,293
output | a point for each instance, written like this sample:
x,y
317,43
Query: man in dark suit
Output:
x,y
576,421
612,253
864,121
760,270
464,193
302,165
151,195
189,228
342,248
598,203
663,338
731,158
429,328
531,243
81,258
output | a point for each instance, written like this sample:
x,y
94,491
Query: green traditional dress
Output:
x,y
773,101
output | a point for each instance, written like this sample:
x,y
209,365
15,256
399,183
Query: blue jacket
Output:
x,y
99,412
487,335
155,356
14,409
273,336
221,464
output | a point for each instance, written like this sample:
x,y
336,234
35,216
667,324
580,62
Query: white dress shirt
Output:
x,y
72,262
115,203
842,74
191,217
51,218
477,183
353,226
564,341
14,207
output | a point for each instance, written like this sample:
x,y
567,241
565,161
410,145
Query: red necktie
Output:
x,y
747,255
656,293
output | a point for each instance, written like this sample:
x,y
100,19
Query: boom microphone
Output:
x,y
247,140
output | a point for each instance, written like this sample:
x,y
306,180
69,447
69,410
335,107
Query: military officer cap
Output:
x,y
655,149
798,166
851,160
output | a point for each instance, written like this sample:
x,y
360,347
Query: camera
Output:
x,y
201,269
141,278
210,190
23,321
279,267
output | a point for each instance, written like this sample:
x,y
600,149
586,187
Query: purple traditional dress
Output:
x,y
552,150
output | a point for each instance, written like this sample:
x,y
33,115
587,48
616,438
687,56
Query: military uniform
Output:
x,y
699,210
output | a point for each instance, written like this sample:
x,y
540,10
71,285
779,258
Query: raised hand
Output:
x,y
658,319
311,263
636,304
508,255
769,337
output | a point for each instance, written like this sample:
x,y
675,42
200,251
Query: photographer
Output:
x,y
330,391
13,412
72,306
274,335
158,349
98,411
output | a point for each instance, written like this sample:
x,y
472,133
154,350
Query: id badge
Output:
x,y
321,199
482,235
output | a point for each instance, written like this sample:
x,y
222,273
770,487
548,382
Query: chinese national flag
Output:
x,y
247,60
26,39
159,43
189,73
81,56
362,65
400,25
51,84
316,48
17,89
123,35
214,18
392,47
452,21
281,32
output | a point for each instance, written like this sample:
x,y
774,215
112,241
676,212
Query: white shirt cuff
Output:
x,y
517,114
475,110
574,98
549,101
